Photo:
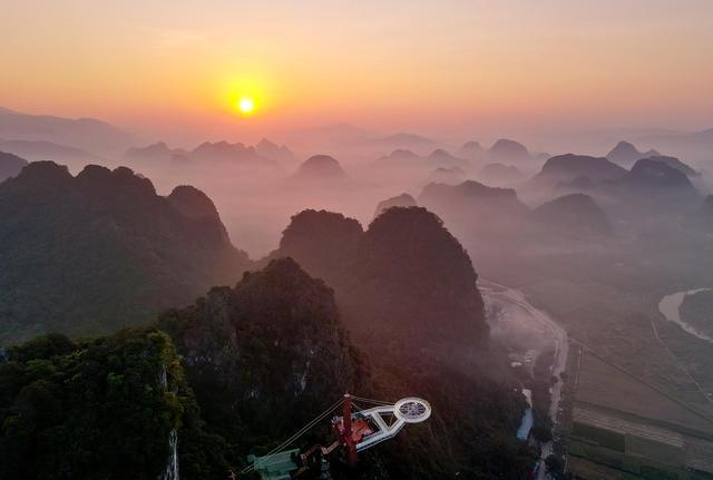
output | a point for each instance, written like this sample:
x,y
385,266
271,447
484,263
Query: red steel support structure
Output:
x,y
348,438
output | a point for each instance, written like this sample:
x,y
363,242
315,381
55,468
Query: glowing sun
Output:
x,y
246,105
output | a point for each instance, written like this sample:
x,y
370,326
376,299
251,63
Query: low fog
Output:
x,y
590,263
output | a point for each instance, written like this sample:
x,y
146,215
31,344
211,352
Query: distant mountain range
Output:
x,y
504,151
84,133
10,165
265,153
41,150
562,170
482,213
652,187
438,158
345,138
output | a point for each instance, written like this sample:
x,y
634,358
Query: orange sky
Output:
x,y
428,66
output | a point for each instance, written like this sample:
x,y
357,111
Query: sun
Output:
x,y
246,105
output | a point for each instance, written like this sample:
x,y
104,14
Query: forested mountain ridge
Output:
x,y
92,253
406,253
265,356
253,363
407,290
262,358
102,408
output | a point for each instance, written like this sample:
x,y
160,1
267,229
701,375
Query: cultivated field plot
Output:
x,y
600,384
595,471
626,427
699,454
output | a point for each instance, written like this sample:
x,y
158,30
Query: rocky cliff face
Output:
x,y
265,356
410,300
405,274
89,254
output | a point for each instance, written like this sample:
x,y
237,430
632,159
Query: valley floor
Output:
x,y
619,421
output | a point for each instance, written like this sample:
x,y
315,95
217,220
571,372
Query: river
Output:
x,y
528,419
541,326
519,310
670,307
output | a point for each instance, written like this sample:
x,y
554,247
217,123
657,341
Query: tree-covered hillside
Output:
x,y
265,356
90,254
99,409
408,295
252,364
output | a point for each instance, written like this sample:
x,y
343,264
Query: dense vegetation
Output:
x,y
265,357
254,362
93,253
97,409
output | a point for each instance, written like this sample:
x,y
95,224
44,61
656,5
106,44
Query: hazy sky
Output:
x,y
439,66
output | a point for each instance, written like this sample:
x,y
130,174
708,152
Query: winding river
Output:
x,y
670,306
520,310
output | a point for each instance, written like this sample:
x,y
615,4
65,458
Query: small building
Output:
x,y
277,466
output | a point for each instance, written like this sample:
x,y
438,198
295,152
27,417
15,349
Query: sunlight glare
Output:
x,y
246,105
